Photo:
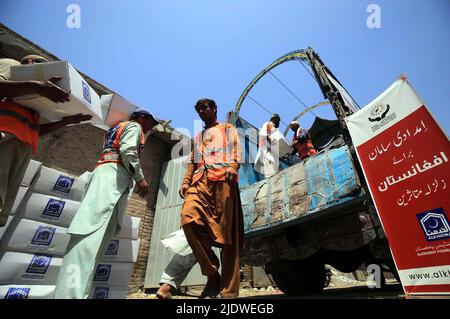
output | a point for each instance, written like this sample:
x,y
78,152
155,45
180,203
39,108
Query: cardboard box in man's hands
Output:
x,y
116,109
280,144
83,99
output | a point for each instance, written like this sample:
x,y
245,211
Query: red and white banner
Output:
x,y
405,157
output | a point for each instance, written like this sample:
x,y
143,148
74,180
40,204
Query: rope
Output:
x,y
263,107
312,75
304,105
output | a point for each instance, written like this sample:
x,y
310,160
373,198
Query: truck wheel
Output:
x,y
346,261
298,277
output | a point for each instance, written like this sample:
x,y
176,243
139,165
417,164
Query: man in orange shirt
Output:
x,y
301,141
20,128
212,212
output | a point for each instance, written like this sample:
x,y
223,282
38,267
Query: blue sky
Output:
x,y
164,55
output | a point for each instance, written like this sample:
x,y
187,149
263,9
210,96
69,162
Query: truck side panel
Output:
x,y
323,181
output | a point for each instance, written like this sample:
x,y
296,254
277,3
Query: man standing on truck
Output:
x,y
100,213
212,212
20,128
267,160
301,141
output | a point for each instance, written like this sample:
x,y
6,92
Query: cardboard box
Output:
x,y
27,292
48,209
22,268
32,169
23,190
5,228
280,144
130,227
52,182
29,236
112,274
115,109
83,99
123,250
105,292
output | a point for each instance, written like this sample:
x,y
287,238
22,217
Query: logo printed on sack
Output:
x,y
113,248
54,208
434,224
43,236
63,184
86,91
102,273
17,293
101,293
39,264
379,113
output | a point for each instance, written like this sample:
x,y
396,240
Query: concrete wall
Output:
x,y
76,149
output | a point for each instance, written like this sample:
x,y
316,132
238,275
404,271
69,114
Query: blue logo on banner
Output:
x,y
86,91
113,248
102,273
39,264
43,236
63,184
54,208
17,293
434,224
101,293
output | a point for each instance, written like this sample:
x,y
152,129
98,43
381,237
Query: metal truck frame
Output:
x,y
315,212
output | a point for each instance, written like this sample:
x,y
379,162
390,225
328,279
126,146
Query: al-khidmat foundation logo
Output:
x,y
380,114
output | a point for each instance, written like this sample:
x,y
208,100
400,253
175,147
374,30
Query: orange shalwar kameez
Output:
x,y
212,212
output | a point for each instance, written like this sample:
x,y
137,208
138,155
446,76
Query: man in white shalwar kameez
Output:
x,y
100,213
267,161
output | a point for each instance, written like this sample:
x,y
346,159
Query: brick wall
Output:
x,y
75,149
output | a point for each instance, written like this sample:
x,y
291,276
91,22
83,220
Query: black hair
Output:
x,y
205,101
208,102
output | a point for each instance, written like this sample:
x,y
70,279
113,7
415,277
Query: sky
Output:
x,y
164,55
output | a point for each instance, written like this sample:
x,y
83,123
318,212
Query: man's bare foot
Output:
x,y
164,292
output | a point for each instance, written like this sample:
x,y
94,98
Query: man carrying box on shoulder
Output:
x,y
267,161
100,213
20,128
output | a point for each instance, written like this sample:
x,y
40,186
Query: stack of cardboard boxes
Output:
x,y
113,273
35,239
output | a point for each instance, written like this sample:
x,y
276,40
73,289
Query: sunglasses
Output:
x,y
31,61
204,107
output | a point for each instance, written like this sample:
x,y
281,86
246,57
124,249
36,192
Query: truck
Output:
x,y
313,212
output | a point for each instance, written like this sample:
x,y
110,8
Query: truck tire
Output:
x,y
298,277
345,261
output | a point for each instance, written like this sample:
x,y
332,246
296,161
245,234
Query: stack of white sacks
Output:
x,y
35,239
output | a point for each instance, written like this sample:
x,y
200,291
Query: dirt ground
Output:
x,y
337,284
194,293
